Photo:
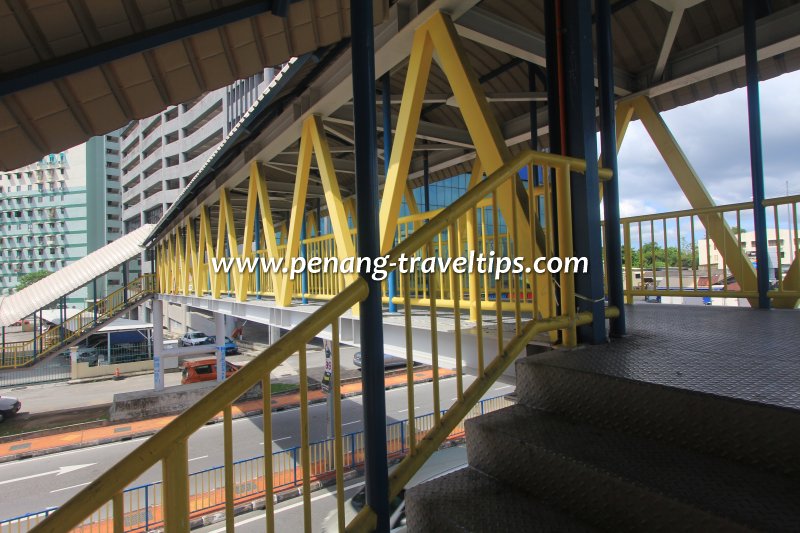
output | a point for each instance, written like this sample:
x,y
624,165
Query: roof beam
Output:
x,y
776,34
496,32
94,56
669,40
429,131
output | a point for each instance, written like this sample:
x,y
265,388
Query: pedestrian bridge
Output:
x,y
481,90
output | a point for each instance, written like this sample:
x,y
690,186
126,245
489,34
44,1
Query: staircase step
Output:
x,y
616,480
741,430
469,501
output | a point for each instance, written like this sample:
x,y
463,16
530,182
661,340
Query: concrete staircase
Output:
x,y
589,450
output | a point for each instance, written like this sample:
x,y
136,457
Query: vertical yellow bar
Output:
x,y
565,249
228,453
498,292
338,444
628,263
175,471
412,438
456,294
434,339
304,447
119,513
512,252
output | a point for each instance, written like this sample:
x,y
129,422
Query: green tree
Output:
x,y
30,278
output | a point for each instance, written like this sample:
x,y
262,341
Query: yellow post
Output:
x,y
175,471
230,494
628,264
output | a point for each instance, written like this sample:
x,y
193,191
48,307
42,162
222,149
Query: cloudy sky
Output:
x,y
714,135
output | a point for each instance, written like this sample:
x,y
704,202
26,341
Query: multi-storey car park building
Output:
x,y
58,210
161,154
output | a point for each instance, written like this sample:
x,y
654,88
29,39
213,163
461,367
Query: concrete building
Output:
x,y
782,249
162,153
58,210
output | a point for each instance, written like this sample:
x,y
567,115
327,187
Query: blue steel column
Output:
x,y
756,154
581,142
371,321
386,85
608,142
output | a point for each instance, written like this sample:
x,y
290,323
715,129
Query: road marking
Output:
x,y
276,440
62,470
71,452
402,411
288,507
503,387
198,458
72,487
353,422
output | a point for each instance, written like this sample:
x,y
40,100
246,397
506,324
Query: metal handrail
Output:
x,y
159,446
170,445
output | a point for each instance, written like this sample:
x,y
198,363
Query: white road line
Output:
x,y
72,487
198,458
292,506
353,422
71,452
402,410
503,387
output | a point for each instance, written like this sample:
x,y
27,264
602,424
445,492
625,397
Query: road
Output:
x,y
289,514
35,484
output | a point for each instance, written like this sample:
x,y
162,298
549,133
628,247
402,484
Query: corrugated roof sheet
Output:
x,y
72,277
130,65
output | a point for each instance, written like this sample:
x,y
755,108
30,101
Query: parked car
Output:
x,y
204,370
89,356
9,407
230,346
389,361
440,463
193,338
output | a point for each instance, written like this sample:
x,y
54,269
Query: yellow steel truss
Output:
x,y
691,184
438,34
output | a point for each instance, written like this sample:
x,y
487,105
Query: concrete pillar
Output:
x,y
219,323
274,334
158,344
73,360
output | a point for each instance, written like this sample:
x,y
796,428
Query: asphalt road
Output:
x,y
35,484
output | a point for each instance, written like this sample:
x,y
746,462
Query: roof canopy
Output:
x,y
72,69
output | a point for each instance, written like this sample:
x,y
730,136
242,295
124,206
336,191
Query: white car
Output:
x,y
8,407
193,338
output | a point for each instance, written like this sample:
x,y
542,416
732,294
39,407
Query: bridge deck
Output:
x,y
734,352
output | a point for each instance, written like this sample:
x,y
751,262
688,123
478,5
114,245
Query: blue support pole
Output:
x,y
387,151
756,154
371,309
304,276
608,140
581,142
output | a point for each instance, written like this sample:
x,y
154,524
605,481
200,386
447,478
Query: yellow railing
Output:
x,y
170,445
670,254
25,353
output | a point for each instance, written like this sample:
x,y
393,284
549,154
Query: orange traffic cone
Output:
x,y
117,376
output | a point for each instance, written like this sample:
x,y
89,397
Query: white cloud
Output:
x,y
714,136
